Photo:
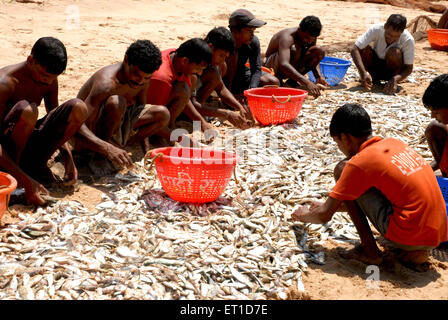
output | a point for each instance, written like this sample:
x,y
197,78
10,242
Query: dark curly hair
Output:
x,y
352,119
312,25
145,55
221,38
51,54
196,50
435,95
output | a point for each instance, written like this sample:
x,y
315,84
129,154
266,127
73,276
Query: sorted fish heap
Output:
x,y
140,244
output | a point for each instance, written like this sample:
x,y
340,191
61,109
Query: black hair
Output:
x,y
312,25
145,55
196,50
352,119
397,22
435,95
221,38
51,54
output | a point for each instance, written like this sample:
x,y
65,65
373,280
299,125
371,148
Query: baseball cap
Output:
x,y
244,18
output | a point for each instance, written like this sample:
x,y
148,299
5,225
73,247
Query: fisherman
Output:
x,y
26,142
293,52
118,111
222,45
386,182
239,77
391,58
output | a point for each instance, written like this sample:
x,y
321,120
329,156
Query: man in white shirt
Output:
x,y
391,56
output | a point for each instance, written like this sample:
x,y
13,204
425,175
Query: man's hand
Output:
x,y
237,120
366,81
33,190
322,81
300,214
118,156
313,89
391,86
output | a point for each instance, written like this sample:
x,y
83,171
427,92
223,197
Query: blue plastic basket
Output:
x,y
332,69
443,184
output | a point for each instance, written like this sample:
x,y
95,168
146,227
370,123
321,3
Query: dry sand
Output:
x,y
105,30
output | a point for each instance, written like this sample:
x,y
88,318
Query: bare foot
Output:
x,y
359,253
416,260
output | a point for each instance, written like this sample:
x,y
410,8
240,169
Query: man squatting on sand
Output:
x,y
387,182
391,58
293,52
26,142
118,114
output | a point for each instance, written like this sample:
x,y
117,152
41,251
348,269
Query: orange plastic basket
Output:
x,y
438,39
275,105
265,69
7,185
192,174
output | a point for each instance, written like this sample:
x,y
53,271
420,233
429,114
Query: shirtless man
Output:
x,y
26,142
293,52
117,111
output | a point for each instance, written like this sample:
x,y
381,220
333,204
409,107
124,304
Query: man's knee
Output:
x,y
161,115
79,110
337,172
435,129
115,105
318,52
28,112
394,55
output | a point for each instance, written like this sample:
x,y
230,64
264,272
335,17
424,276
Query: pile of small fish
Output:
x,y
140,244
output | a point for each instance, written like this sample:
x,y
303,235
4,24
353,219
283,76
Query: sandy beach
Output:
x,y
97,33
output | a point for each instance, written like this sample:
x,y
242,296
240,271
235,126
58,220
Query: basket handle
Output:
x,y
274,98
145,164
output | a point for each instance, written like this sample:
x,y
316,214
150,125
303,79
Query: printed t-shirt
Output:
x,y
162,80
407,181
375,34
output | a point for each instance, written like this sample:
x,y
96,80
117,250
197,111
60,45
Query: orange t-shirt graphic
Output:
x,y
407,181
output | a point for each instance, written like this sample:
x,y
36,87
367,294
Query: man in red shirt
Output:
x,y
170,85
387,182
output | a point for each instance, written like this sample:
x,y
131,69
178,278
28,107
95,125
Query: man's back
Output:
x,y
407,181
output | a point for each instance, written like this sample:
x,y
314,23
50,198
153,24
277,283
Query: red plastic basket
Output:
x,y
192,174
438,39
8,184
275,105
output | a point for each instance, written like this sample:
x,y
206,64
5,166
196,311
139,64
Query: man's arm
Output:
x,y
366,78
255,63
392,84
90,141
318,213
31,186
284,63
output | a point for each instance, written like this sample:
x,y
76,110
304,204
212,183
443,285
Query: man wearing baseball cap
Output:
x,y
239,77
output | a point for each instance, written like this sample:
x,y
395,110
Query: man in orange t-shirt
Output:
x,y
170,84
387,182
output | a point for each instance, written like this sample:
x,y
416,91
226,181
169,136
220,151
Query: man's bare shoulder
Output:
x,y
105,79
8,79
